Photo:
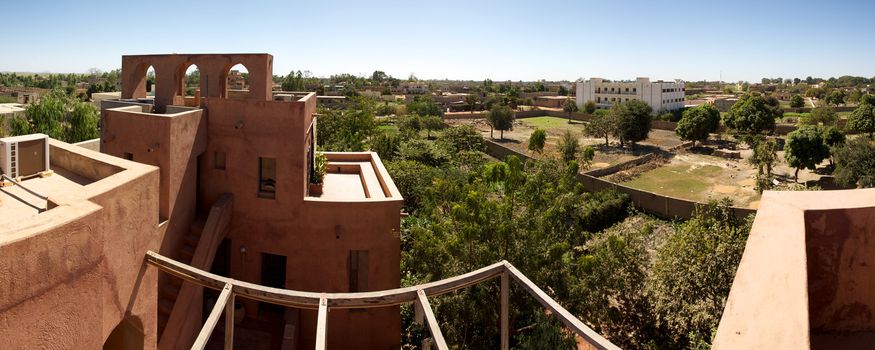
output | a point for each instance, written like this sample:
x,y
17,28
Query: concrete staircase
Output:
x,y
180,304
167,293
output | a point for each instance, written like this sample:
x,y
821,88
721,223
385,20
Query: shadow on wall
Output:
x,y
128,334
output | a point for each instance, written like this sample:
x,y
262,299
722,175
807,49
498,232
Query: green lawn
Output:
x,y
677,180
547,123
390,128
8,99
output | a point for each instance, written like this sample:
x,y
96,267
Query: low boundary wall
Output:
x,y
660,205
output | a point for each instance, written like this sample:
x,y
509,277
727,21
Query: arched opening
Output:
x,y
237,82
188,84
150,81
128,334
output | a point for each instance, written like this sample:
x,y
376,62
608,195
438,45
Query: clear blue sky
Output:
x,y
471,39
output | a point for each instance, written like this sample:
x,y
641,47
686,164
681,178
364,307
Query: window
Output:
x,y
129,156
627,89
267,177
634,89
219,160
358,271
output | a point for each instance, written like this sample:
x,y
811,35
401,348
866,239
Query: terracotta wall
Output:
x,y
69,278
214,68
841,269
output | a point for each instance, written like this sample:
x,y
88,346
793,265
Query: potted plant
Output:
x,y
320,167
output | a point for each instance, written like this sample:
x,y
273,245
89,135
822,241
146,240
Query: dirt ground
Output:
x,y
687,174
518,138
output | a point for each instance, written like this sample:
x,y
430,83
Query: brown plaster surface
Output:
x,y
67,279
805,272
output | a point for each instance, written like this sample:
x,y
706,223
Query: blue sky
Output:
x,y
501,40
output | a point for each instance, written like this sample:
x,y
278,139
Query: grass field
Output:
x,y
676,180
547,123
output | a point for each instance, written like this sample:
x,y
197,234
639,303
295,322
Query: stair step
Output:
x,y
191,240
169,292
186,253
165,306
198,225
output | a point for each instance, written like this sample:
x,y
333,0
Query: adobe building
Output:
x,y
74,226
234,176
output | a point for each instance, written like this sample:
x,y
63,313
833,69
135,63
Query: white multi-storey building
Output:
x,y
660,95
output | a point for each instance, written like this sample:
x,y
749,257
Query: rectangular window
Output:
x,y
129,156
219,160
267,177
358,271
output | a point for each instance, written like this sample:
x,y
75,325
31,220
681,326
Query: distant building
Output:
x,y
660,95
236,81
550,101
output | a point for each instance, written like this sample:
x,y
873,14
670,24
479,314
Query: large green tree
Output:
x,y
500,117
855,163
805,148
697,123
752,115
797,101
862,119
632,121
601,126
820,115
347,130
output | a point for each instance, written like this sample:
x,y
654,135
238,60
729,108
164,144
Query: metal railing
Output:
x,y
322,302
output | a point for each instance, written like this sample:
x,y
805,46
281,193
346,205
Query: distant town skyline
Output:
x,y
457,40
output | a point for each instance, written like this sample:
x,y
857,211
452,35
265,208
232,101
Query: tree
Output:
x,y
752,115
569,107
83,123
694,270
836,97
601,126
537,140
854,96
48,114
500,117
632,121
820,115
589,107
797,101
386,145
765,153
432,123
855,163
471,101
805,148
424,106
568,146
869,99
562,91
347,130
697,123
832,137
18,125
586,157
293,82
862,119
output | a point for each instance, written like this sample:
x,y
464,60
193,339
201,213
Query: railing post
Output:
x,y
505,322
321,321
229,323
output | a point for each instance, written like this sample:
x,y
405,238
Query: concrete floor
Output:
x,y
18,204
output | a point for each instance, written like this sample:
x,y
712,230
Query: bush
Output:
x,y
386,145
568,146
412,179
602,209
537,140
461,139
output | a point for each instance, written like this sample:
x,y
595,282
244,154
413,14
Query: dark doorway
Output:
x,y
273,274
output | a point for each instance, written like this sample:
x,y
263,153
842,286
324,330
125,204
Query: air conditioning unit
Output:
x,y
24,156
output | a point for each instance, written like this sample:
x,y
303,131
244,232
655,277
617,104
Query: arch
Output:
x,y
128,334
235,81
150,73
188,80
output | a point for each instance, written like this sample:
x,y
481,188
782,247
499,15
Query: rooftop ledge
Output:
x,y
356,177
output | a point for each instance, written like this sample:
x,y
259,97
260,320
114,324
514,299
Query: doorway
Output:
x,y
273,274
